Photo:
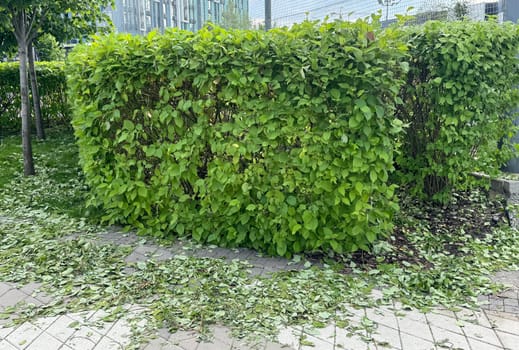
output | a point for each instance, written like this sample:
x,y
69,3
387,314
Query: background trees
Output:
x,y
234,19
27,19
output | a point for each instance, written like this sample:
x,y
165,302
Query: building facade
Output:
x,y
143,16
503,10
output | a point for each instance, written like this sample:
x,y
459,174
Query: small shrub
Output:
x,y
51,82
460,90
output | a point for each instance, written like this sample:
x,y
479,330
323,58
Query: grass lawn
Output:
x,y
57,185
435,256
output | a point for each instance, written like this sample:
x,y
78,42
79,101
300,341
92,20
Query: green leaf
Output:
x,y
310,221
281,248
128,125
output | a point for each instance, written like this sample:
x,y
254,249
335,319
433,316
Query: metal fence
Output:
x,y
288,12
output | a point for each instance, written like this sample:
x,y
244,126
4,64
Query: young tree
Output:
x,y
29,18
433,10
48,48
7,39
232,18
461,9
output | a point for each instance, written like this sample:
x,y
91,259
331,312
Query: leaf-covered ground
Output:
x,y
436,256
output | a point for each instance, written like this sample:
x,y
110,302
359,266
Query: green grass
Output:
x,y
10,159
57,185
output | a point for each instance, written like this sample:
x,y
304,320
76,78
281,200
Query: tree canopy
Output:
x,y
27,19
233,18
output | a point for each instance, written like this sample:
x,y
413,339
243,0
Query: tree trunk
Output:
x,y
40,132
20,24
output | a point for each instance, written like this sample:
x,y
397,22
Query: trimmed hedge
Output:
x,y
51,83
460,91
280,141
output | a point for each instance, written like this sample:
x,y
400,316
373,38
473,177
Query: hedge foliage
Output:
x,y
52,88
280,141
458,101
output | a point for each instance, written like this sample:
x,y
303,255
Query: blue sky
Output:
x,y
287,11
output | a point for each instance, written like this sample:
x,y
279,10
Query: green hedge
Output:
x,y
51,82
279,141
460,91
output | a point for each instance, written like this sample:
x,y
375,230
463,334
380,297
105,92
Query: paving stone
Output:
x,y
30,287
5,331
244,254
146,249
385,336
410,342
101,327
511,302
509,293
164,333
483,301
60,328
44,322
411,315
4,287
444,312
221,334
135,257
188,344
464,314
11,298
7,322
503,324
510,278
120,332
5,345
480,333
32,301
82,317
512,309
160,344
382,317
510,341
214,345
43,297
162,254
417,328
243,344
480,318
290,336
256,271
87,333
24,335
316,344
443,322
376,294
46,342
356,314
180,336
343,340
108,344
443,337
220,253
327,333
495,304
80,343
479,345
276,346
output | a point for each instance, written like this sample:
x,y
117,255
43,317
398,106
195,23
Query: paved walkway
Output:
x,y
495,326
